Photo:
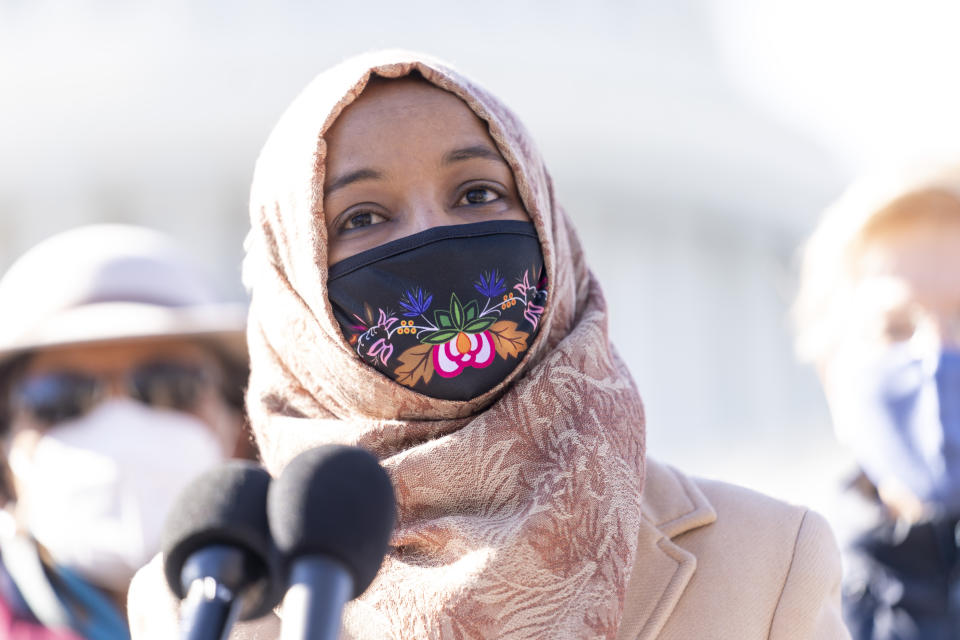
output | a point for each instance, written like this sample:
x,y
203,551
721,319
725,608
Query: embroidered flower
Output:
x,y
461,338
532,313
536,304
374,342
382,349
489,284
415,303
465,350
386,319
449,341
524,286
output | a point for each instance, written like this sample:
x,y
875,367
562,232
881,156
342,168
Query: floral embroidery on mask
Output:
x,y
455,338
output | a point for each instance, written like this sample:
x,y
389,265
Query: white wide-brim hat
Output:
x,y
111,282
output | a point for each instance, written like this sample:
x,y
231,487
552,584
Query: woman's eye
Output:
x,y
899,328
479,195
362,219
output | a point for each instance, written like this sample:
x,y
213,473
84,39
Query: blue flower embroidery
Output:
x,y
415,304
489,284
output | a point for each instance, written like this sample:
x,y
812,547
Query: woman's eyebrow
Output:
x,y
468,153
351,177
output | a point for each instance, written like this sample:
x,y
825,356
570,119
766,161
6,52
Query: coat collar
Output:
x,y
672,505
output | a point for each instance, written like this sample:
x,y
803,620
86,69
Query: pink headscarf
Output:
x,y
519,509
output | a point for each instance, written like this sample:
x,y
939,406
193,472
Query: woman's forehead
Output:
x,y
395,95
120,354
392,109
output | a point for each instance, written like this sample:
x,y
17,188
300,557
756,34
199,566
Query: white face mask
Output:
x,y
97,488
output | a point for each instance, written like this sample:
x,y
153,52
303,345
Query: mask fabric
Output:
x,y
448,312
98,488
901,413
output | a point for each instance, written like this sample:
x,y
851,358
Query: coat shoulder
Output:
x,y
768,526
764,568
752,510
680,504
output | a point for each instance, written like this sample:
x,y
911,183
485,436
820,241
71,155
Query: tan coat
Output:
x,y
718,562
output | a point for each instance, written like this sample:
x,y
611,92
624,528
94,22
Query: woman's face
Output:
x,y
406,157
907,290
910,285
901,317
111,364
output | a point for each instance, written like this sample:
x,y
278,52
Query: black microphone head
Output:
x,y
226,505
335,501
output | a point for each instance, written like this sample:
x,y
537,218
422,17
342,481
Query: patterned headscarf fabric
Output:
x,y
518,510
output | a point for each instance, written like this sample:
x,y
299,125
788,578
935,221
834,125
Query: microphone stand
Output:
x,y
313,606
211,606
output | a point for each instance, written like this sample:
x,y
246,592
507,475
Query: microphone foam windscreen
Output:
x,y
335,501
227,505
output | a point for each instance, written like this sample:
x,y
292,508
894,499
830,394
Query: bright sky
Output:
x,y
872,79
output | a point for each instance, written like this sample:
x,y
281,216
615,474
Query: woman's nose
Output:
x,y
427,214
115,387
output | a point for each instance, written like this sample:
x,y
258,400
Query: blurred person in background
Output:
x,y
878,313
121,378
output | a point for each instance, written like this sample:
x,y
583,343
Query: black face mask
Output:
x,y
448,312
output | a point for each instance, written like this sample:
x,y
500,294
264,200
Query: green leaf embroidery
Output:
x,y
442,318
470,312
456,311
479,325
439,337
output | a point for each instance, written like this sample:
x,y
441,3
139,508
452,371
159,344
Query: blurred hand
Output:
x,y
154,612
152,609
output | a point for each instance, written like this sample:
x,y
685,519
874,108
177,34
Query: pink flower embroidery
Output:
x,y
464,350
382,349
532,313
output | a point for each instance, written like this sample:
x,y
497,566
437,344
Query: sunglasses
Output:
x,y
63,395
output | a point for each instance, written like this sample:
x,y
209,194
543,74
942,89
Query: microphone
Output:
x,y
218,553
331,513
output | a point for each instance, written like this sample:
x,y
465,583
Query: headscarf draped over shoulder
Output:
x,y
519,509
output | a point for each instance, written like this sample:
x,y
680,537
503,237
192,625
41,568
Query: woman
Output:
x,y
120,378
879,315
417,291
